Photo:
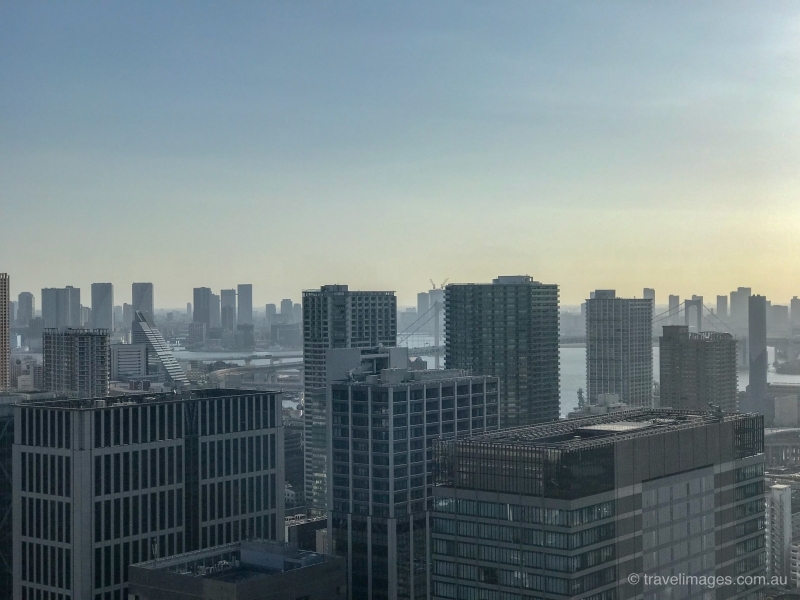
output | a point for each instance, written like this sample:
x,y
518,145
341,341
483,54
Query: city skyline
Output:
x,y
569,142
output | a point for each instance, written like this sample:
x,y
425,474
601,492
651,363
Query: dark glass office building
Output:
x,y
571,510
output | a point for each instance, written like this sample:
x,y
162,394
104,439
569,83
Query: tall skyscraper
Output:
x,y
215,310
26,308
779,531
722,307
380,495
739,307
271,312
228,309
335,317
794,315
5,333
674,309
76,362
134,478
649,294
619,348
757,346
189,309
202,306
160,360
508,329
61,307
127,315
245,293
286,310
142,299
103,306
697,369
587,508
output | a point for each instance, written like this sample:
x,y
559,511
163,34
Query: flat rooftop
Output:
x,y
573,434
140,398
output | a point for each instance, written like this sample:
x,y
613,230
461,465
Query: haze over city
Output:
x,y
418,301
591,145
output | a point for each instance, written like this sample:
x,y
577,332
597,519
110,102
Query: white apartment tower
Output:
x,y
619,348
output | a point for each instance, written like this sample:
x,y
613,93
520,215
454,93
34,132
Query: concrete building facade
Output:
x,y
61,307
335,317
508,329
202,306
697,369
245,306
5,333
103,306
619,348
76,362
587,508
26,308
383,424
779,530
100,484
142,299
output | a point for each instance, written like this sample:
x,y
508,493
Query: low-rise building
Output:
x,y
246,570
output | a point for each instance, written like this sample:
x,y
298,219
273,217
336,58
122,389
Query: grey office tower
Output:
x,y
202,306
142,299
103,306
104,483
335,317
508,329
595,508
245,295
383,424
61,307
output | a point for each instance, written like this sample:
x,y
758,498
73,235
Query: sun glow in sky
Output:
x,y
594,145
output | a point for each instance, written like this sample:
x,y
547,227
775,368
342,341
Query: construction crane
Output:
x,y
441,287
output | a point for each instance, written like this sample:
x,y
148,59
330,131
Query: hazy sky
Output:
x,y
293,144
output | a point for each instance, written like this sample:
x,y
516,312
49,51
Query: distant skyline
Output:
x,y
291,145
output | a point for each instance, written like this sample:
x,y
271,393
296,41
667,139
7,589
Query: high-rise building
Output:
x,y
271,312
103,306
202,306
297,313
738,306
127,315
508,329
189,309
61,307
335,317
380,495
215,312
795,311
7,515
674,309
286,310
134,478
142,299
779,530
649,294
118,321
586,508
619,348
757,346
722,307
160,360
26,308
228,309
778,319
5,333
697,369
245,293
128,361
76,362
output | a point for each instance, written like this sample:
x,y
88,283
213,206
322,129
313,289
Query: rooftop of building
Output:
x,y
574,434
401,376
64,403
236,562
